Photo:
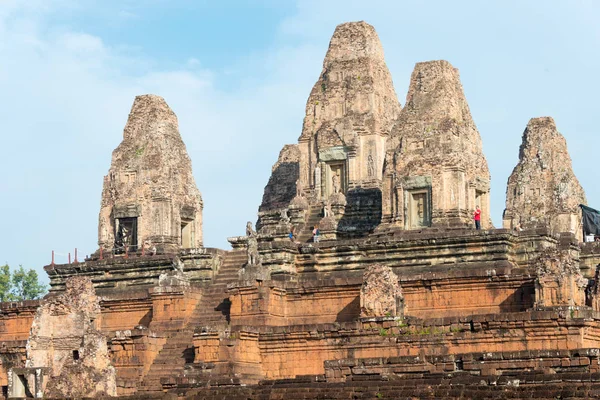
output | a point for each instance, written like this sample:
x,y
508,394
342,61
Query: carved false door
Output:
x,y
418,209
334,175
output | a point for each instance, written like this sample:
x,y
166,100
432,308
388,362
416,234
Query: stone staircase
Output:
x,y
315,213
212,310
580,386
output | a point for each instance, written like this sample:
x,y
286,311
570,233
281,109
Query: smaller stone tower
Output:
x,y
542,189
435,170
149,195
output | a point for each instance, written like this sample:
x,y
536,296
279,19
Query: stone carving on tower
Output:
x,y
149,195
435,170
542,189
252,247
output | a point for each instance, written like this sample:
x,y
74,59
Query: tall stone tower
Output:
x,y
542,189
349,114
435,170
149,194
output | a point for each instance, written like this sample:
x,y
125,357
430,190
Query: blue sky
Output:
x,y
237,74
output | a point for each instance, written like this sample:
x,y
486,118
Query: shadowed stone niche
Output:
x,y
149,196
27,382
66,341
559,281
380,294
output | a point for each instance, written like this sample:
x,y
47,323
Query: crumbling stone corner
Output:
x,y
65,339
380,293
559,281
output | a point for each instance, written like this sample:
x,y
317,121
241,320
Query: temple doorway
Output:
x,y
126,233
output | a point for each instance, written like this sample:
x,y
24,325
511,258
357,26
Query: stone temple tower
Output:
x,y
435,170
149,194
542,189
339,156
349,113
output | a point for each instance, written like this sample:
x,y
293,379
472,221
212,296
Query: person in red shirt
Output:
x,y
477,217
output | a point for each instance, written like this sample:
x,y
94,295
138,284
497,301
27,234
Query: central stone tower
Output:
x,y
149,195
349,114
338,160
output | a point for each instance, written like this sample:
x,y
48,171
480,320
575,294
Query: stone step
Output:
x,y
170,361
225,273
210,310
217,289
202,319
205,319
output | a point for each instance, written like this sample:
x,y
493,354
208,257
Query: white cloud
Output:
x,y
127,15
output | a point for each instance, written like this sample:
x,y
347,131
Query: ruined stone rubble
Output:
x,y
435,152
65,338
380,294
559,281
542,189
150,182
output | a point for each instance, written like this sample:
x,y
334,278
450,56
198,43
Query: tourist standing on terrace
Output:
x,y
477,217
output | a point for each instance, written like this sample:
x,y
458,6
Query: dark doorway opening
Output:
x,y
126,234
